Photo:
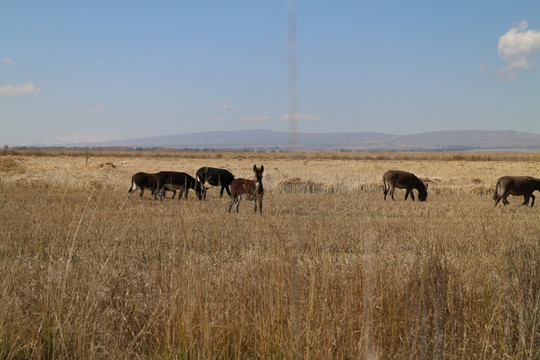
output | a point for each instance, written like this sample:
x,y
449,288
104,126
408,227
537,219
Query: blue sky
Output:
x,y
73,70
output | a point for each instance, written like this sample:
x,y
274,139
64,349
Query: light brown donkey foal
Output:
x,y
250,189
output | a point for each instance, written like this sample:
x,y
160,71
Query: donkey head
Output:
x,y
258,171
422,194
198,189
258,175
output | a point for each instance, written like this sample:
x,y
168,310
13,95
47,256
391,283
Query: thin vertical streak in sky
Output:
x,y
291,56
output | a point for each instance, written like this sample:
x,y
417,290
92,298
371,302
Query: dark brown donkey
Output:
x,y
516,185
215,177
403,180
142,181
173,180
250,189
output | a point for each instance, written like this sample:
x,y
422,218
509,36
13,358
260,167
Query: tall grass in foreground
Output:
x,y
92,274
331,273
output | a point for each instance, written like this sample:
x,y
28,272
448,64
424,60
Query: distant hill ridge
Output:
x,y
338,140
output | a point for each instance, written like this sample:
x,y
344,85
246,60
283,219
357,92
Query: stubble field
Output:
x,y
329,270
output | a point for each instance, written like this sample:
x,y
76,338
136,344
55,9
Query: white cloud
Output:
x,y
95,109
518,47
255,118
24,89
301,117
9,61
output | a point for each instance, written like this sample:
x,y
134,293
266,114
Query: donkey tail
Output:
x,y
133,187
386,184
497,190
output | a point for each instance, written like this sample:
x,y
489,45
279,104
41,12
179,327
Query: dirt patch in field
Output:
x,y
297,185
431,180
107,165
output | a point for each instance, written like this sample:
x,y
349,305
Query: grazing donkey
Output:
x,y
173,180
215,177
250,189
142,181
516,185
403,180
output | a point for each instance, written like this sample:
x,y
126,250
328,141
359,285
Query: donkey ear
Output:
x,y
255,168
262,168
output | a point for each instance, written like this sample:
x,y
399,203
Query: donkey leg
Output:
x,y
532,196
392,192
231,203
141,194
260,205
156,191
412,195
221,191
407,193
526,199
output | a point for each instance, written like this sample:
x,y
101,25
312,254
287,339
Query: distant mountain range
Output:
x,y
438,140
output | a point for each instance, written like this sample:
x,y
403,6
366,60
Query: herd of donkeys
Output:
x,y
159,183
252,189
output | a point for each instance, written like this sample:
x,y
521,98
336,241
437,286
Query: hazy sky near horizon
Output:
x,y
96,70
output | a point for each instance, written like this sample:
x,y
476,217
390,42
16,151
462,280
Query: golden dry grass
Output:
x,y
328,271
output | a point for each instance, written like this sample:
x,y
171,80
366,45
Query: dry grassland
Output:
x,y
329,270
